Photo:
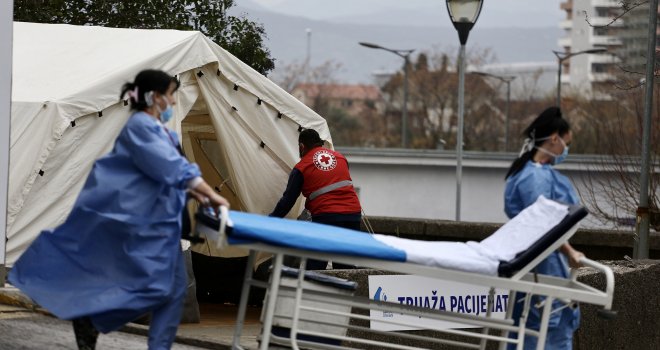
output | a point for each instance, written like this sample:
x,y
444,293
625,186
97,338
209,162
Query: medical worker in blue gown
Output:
x,y
118,254
533,174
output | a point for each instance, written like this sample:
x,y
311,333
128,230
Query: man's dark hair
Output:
x,y
310,138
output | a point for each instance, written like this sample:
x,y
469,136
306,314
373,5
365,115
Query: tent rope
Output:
x,y
366,222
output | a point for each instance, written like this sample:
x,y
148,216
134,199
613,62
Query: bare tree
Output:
x,y
432,105
613,129
319,89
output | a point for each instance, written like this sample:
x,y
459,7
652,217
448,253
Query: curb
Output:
x,y
10,295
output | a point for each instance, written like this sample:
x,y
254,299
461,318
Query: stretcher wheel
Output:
x,y
607,314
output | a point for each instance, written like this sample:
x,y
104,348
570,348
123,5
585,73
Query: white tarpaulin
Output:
x,y
66,112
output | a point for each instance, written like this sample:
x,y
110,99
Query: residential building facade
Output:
x,y
602,24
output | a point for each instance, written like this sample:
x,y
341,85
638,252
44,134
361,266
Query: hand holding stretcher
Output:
x,y
503,260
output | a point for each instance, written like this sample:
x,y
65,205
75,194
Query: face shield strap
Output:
x,y
149,98
547,152
530,143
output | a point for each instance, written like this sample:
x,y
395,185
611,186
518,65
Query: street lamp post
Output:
x,y
463,14
507,79
405,54
308,57
563,56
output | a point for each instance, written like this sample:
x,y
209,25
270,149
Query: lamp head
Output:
x,y
464,14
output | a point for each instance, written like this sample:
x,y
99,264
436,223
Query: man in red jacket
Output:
x,y
322,176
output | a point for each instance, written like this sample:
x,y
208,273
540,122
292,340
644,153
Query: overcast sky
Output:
x,y
495,13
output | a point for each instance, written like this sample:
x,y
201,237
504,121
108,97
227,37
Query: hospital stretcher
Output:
x,y
505,260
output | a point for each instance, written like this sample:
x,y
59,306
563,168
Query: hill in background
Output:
x,y
337,40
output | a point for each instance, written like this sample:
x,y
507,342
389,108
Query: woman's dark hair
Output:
x,y
547,123
145,81
310,138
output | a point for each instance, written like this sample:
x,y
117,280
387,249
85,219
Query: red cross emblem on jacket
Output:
x,y
322,167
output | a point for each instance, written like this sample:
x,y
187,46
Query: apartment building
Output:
x,y
591,24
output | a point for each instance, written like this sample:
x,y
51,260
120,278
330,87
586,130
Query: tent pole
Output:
x,y
6,25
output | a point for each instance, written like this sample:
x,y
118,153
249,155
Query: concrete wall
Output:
x,y
637,302
422,183
597,244
429,191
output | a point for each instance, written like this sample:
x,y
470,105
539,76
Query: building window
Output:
x,y
600,31
598,68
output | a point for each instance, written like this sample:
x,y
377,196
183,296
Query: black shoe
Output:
x,y
85,332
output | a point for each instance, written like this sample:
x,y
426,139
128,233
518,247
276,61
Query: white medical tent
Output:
x,y
66,112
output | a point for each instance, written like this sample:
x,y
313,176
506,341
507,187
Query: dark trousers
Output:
x,y
313,264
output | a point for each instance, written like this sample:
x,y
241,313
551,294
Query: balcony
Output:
x,y
566,24
604,58
605,21
565,42
600,77
604,40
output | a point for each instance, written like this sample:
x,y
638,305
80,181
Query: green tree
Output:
x,y
238,35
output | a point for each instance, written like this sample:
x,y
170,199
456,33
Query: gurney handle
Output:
x,y
224,218
609,280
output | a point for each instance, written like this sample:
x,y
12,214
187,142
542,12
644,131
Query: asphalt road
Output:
x,y
24,330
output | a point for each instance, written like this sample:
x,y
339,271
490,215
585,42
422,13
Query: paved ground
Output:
x,y
26,330
217,327
21,327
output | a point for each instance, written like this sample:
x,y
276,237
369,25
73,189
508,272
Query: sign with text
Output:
x,y
431,294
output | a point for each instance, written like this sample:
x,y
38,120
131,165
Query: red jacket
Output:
x,y
323,167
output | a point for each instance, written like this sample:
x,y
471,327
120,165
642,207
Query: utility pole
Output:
x,y
405,54
308,57
642,238
6,26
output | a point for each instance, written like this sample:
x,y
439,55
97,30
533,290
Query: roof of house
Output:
x,y
343,91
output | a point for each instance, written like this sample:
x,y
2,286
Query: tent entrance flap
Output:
x,y
203,148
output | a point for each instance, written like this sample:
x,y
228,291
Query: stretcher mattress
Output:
x,y
516,243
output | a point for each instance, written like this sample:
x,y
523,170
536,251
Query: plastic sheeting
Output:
x,y
66,113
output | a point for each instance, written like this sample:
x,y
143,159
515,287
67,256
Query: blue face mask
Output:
x,y
556,158
560,158
167,114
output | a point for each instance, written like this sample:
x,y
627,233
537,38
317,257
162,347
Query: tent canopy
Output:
x,y
66,112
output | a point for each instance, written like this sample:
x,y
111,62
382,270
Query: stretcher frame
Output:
x,y
568,291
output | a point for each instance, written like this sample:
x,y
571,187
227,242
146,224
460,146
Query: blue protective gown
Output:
x,y
118,254
522,190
